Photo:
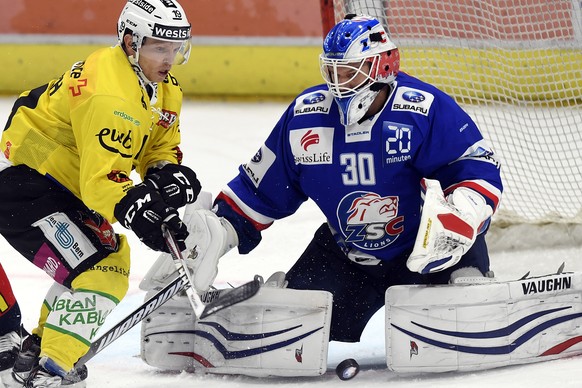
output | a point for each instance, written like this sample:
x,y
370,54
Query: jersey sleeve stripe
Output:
x,y
259,221
487,190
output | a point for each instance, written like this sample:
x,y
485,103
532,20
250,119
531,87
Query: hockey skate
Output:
x,y
9,345
47,374
27,362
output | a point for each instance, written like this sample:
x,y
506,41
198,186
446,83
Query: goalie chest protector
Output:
x,y
482,326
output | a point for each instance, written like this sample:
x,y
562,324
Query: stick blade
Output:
x,y
232,297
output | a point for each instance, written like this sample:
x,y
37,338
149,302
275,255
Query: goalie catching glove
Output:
x,y
448,227
143,211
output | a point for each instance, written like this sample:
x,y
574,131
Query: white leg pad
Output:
x,y
483,326
278,332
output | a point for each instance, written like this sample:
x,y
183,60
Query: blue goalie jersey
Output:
x,y
365,177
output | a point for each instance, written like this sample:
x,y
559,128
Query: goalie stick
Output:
x,y
181,282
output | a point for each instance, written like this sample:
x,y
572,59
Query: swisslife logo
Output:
x,y
312,145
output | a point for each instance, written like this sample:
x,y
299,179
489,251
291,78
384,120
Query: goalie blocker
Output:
x,y
278,332
483,326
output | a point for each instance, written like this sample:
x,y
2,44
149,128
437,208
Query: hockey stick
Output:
x,y
197,304
226,298
136,316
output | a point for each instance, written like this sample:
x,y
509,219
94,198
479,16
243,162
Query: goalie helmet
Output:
x,y
158,19
358,60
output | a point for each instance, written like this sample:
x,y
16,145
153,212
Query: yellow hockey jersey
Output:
x,y
91,127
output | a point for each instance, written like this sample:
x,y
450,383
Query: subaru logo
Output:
x,y
314,98
413,96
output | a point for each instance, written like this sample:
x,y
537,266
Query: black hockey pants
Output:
x,y
359,290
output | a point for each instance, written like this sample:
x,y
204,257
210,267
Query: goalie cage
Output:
x,y
516,67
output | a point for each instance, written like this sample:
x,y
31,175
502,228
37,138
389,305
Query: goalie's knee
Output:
x,y
471,275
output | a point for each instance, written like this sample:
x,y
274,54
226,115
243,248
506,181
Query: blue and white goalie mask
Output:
x,y
358,59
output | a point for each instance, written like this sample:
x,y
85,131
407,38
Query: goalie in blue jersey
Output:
x,y
402,175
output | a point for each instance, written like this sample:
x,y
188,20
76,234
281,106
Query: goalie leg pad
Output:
x,y
278,332
483,326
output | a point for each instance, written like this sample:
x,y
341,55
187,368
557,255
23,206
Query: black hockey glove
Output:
x,y
177,184
144,211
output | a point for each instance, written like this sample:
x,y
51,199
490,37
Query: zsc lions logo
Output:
x,y
413,96
314,98
372,221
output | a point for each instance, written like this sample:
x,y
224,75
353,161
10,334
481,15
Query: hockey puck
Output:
x,y
347,369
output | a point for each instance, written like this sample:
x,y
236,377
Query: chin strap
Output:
x,y
134,60
150,87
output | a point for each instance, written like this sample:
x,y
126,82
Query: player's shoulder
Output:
x,y
108,73
106,66
405,81
105,57
417,96
314,100
171,86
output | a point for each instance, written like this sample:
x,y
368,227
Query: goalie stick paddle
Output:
x,y
226,298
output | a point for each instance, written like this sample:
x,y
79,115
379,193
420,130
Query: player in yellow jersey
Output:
x,y
68,149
